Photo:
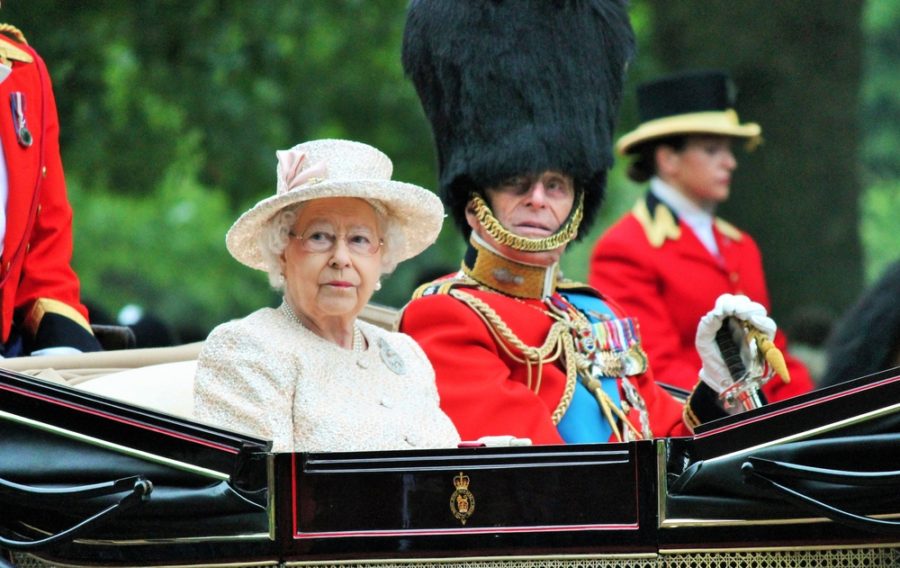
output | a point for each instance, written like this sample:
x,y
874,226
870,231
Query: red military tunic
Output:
x,y
485,388
656,268
40,289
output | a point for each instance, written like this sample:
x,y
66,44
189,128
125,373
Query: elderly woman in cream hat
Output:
x,y
309,375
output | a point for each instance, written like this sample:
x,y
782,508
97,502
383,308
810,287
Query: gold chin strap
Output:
x,y
500,234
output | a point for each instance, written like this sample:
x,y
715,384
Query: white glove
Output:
x,y
714,372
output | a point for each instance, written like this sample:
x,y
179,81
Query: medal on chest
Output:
x,y
609,347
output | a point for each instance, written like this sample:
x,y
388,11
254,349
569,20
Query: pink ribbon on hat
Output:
x,y
294,171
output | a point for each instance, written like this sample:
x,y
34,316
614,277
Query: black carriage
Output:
x,y
89,480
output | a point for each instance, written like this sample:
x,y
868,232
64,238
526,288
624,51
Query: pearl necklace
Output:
x,y
359,343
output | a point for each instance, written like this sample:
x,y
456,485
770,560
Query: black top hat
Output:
x,y
696,102
513,87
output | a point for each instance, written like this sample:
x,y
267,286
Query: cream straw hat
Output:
x,y
340,168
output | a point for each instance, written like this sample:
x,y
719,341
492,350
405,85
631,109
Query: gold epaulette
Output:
x,y
9,51
661,224
444,285
728,229
658,226
566,285
13,32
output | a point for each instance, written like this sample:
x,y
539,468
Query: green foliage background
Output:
x,y
171,113
880,120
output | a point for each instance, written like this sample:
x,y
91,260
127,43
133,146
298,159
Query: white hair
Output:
x,y
274,237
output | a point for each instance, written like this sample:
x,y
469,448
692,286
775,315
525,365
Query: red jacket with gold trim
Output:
x,y
485,391
40,288
656,268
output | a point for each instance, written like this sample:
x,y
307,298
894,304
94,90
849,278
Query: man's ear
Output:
x,y
471,219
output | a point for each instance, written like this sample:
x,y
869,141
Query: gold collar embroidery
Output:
x,y
499,273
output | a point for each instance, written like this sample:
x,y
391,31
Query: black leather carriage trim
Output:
x,y
774,476
861,399
138,487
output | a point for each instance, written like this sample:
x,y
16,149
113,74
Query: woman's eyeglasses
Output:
x,y
357,243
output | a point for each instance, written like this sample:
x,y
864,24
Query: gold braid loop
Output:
x,y
609,408
12,30
500,234
571,378
488,313
558,342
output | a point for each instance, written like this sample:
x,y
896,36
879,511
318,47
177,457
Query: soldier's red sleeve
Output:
x,y
473,379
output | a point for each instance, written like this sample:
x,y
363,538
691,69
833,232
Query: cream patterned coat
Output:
x,y
267,376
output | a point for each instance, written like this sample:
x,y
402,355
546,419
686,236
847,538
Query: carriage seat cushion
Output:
x,y
166,387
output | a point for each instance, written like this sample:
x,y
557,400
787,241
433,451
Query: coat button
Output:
x,y
362,363
39,209
386,402
734,276
44,171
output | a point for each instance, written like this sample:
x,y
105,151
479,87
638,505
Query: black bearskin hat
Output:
x,y
513,87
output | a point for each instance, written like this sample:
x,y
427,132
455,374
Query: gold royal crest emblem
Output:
x,y
462,501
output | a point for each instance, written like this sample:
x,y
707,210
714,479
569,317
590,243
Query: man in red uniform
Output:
x,y
668,260
523,132
40,310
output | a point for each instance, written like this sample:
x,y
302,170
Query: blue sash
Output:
x,y
583,422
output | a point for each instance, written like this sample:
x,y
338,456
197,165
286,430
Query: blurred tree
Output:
x,y
620,192
161,101
227,80
881,145
798,69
